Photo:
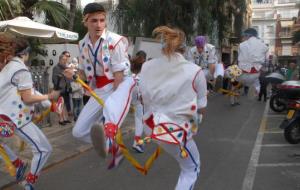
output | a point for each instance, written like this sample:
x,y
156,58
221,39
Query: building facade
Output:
x,y
273,20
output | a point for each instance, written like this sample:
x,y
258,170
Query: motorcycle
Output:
x,y
291,124
278,98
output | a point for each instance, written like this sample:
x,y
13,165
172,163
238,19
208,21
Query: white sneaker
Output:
x,y
137,147
27,186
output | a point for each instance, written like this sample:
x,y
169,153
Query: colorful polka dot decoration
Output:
x,y
6,127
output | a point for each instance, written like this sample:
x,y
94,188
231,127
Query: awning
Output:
x,y
285,24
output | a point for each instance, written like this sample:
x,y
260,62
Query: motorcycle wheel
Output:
x,y
277,104
292,133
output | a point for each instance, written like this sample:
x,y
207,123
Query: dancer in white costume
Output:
x,y
136,66
104,63
173,89
17,162
251,56
204,55
17,97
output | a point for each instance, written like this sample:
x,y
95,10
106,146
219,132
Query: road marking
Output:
x,y
251,170
278,165
277,145
274,132
273,115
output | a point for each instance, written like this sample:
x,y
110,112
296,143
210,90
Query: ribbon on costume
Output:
x,y
228,92
11,169
143,169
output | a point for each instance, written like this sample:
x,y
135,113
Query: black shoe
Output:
x,y
259,99
67,121
61,123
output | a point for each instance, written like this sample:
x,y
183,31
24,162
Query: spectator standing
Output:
x,y
77,92
292,73
63,84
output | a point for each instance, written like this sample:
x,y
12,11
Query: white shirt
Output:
x,y
172,86
203,59
117,58
14,77
252,53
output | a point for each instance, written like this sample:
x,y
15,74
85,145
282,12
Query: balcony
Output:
x,y
286,1
262,4
285,35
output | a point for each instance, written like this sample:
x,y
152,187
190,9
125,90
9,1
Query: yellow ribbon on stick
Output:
x,y
143,169
8,165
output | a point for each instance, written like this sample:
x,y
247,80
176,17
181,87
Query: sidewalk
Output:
x,y
64,145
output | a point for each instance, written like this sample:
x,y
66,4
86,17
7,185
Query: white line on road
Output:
x,y
251,170
274,132
277,145
278,165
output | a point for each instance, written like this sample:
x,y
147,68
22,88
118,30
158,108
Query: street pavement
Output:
x,y
241,148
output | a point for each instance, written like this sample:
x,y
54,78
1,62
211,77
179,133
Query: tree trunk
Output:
x,y
73,5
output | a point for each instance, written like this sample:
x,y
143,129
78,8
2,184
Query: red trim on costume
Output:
x,y
193,83
118,42
31,178
150,122
102,81
252,71
110,130
137,138
170,133
17,163
127,103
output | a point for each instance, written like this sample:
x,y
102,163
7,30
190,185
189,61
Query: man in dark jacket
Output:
x,y
60,82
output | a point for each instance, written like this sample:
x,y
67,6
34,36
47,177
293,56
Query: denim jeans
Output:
x,y
77,102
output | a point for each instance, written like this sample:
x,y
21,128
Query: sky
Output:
x,y
84,2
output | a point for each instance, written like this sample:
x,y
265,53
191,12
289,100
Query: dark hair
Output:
x,y
141,53
92,8
137,61
22,47
250,32
64,52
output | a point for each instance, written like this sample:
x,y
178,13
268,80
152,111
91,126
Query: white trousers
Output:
x,y
250,79
39,144
138,119
116,107
138,111
190,166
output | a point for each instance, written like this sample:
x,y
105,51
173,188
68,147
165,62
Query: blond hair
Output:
x,y
172,39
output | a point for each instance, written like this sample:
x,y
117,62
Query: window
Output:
x,y
270,30
285,32
286,1
288,13
262,1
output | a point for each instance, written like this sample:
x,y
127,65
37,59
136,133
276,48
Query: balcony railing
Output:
x,y
286,1
259,2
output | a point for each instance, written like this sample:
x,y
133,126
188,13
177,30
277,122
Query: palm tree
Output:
x,y
73,6
55,12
